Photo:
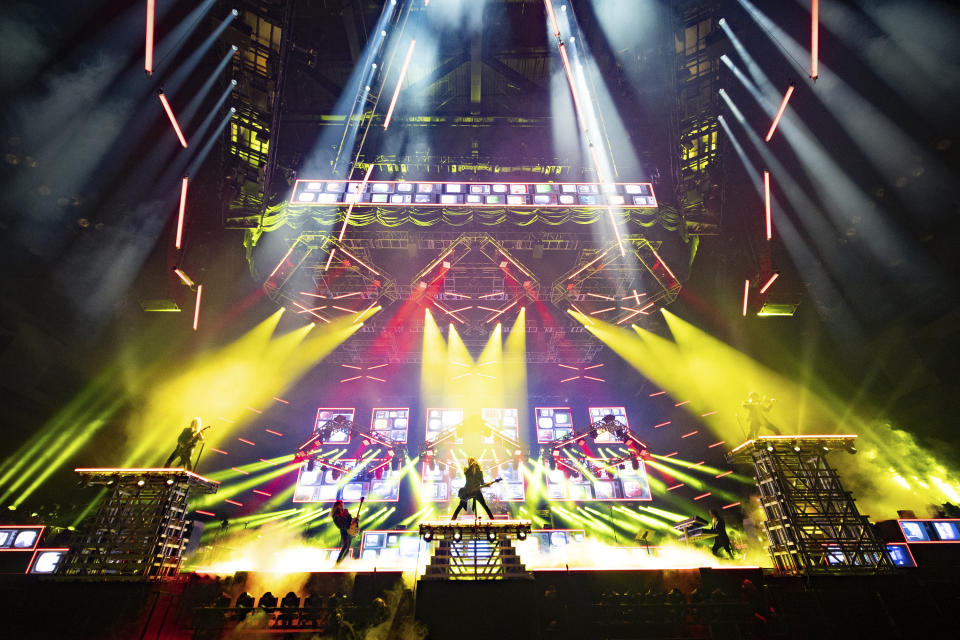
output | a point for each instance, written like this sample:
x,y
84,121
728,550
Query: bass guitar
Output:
x,y
473,493
354,527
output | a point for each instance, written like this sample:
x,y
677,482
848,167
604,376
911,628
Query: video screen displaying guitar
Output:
x,y
442,480
327,484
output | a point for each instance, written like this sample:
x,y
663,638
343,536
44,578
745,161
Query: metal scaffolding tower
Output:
x,y
475,551
140,529
812,523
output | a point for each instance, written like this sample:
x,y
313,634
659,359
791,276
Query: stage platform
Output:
x,y
682,603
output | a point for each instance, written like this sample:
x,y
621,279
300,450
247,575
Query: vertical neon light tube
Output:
x,y
769,282
196,310
173,118
746,295
766,203
396,92
814,39
183,208
148,46
776,118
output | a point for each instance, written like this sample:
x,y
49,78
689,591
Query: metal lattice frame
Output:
x,y
139,531
463,551
812,523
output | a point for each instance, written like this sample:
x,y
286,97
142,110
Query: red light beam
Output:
x,y
396,92
776,118
764,288
148,46
183,208
173,118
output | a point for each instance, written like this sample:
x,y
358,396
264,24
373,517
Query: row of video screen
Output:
x,y
392,423
400,548
441,480
530,194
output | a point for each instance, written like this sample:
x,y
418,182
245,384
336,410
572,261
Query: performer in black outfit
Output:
x,y
757,410
341,518
186,442
474,476
719,527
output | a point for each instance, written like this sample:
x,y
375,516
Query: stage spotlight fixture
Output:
x,y
140,483
521,534
457,535
491,535
851,449
427,534
169,480
797,449
769,447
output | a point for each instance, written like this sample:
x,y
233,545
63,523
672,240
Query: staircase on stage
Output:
x,y
475,549
140,528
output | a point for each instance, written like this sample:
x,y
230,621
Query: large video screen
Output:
x,y
392,548
553,423
505,421
441,419
440,482
390,423
348,483
325,414
599,413
569,483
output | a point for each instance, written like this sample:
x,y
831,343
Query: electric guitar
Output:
x,y
354,527
473,493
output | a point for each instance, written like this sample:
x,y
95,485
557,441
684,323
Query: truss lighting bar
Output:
x,y
173,118
746,295
501,312
361,262
597,295
313,313
396,92
184,277
148,46
776,118
597,195
360,188
183,208
660,260
769,282
514,263
814,39
581,269
593,313
633,312
573,87
196,310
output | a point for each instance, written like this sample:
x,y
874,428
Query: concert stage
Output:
x,y
682,603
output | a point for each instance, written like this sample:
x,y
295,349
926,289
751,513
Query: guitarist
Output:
x,y
347,525
186,442
474,476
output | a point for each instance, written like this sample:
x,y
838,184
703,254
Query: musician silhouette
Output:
x,y
186,442
757,410
471,490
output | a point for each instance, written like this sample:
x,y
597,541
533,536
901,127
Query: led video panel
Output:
x,y
505,421
441,481
325,414
567,482
441,419
390,423
553,423
931,530
599,413
474,194
326,484
46,561
393,548
20,537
